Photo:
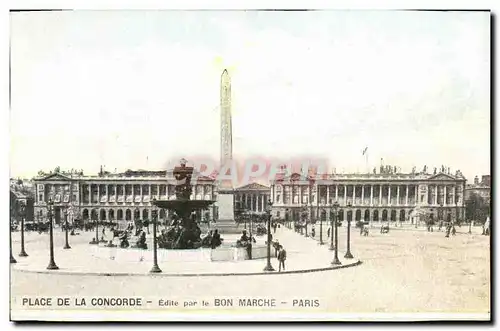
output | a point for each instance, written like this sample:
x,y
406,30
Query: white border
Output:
x,y
191,4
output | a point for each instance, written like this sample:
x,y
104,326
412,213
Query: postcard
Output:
x,y
326,165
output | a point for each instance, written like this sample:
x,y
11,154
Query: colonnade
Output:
x,y
129,193
255,202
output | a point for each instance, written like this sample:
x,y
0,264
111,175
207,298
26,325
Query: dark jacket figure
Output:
x,y
328,232
448,230
313,232
276,246
216,241
281,257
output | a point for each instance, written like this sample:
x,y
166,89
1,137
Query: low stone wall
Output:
x,y
222,253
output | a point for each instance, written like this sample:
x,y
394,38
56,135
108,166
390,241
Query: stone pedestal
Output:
x,y
225,204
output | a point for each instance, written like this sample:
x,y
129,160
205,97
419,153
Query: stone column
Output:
x,y
389,196
453,192
362,195
416,195
353,194
397,196
263,198
445,202
327,194
407,192
380,195
371,197
436,195
99,194
345,194
337,192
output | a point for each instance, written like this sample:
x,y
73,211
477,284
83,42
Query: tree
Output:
x,y
476,208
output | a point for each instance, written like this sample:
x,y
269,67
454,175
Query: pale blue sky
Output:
x,y
133,89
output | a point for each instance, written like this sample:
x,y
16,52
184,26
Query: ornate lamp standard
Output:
x,y
12,259
155,268
22,209
303,213
321,230
52,264
348,254
66,245
269,267
334,207
335,228
310,215
95,241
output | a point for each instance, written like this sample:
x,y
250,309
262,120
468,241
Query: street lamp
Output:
x,y
269,267
336,260
310,215
155,268
334,207
12,259
95,241
66,245
321,230
22,214
52,264
348,254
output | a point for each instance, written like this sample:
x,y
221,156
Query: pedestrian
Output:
x,y
313,232
281,258
328,232
448,229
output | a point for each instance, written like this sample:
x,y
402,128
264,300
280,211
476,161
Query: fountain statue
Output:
x,y
185,232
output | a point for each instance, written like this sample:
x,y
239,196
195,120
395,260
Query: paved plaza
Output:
x,y
406,271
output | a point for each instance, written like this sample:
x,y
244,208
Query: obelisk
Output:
x,y
226,134
225,201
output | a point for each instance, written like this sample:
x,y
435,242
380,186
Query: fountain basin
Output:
x,y
220,254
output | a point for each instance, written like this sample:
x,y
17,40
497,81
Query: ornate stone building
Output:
x,y
252,197
371,197
121,197
483,188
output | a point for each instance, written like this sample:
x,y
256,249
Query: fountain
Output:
x,y
182,241
185,233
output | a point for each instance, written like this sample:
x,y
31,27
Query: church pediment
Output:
x,y
442,176
253,187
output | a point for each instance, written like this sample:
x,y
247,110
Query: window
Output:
x,y
40,198
278,198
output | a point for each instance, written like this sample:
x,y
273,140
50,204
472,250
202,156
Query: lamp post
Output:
x,y
348,254
269,267
335,228
95,241
12,259
334,208
321,230
22,214
52,264
66,245
155,268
